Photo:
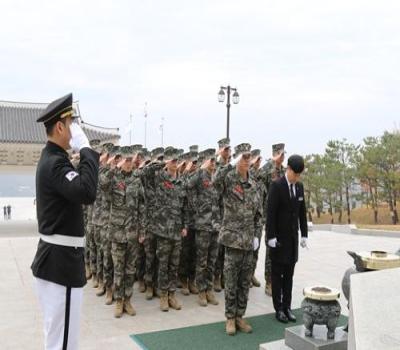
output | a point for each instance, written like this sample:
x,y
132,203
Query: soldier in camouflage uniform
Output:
x,y
255,174
272,170
96,220
242,218
90,234
223,167
187,264
149,175
204,200
127,213
105,182
170,220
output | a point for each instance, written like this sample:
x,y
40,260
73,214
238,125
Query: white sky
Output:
x,y
307,71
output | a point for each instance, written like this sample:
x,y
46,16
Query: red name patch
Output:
x,y
206,183
168,185
238,189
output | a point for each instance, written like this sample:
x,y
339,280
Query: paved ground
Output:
x,y
20,321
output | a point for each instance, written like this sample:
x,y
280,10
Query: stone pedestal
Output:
x,y
296,339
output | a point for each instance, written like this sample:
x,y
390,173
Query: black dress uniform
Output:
x,y
60,192
286,212
58,266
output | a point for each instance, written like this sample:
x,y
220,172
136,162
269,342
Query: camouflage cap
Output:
x,y
126,151
95,144
224,143
194,148
181,151
171,153
255,153
115,151
241,149
157,152
136,149
200,157
278,148
107,147
209,153
194,156
184,157
146,154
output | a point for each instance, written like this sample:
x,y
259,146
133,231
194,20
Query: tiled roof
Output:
x,y
18,124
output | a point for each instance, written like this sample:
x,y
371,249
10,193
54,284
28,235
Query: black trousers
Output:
x,y
282,284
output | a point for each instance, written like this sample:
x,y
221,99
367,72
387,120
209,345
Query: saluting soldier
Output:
x,y
59,265
272,170
241,221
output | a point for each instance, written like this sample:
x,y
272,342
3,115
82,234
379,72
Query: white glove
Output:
x,y
256,243
303,242
272,242
78,138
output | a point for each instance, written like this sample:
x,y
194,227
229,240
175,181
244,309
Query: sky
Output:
x,y
306,71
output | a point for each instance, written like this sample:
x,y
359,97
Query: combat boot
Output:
x,y
243,326
128,308
185,287
101,289
255,281
211,298
119,308
268,289
88,272
109,296
164,306
149,292
142,286
95,281
173,302
217,283
192,287
202,299
230,326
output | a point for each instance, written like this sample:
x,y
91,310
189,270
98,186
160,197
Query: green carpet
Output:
x,y
213,336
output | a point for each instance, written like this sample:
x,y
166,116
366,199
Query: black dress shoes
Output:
x,y
281,317
290,316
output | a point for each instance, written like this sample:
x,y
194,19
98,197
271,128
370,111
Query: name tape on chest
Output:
x,y
71,175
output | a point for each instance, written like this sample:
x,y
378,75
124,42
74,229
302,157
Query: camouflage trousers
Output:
x,y
99,250
168,252
140,263
268,265
151,268
219,264
92,249
124,260
108,267
87,246
187,264
237,273
206,256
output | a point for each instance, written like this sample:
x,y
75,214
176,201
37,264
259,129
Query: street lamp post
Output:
x,y
235,99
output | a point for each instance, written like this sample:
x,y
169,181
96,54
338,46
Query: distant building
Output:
x,y
22,140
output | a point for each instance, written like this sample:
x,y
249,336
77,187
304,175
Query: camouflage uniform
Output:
x,y
242,218
169,218
149,174
90,242
204,200
105,181
262,192
187,263
97,226
268,173
127,212
218,181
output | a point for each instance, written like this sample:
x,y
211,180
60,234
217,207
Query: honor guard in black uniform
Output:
x,y
61,189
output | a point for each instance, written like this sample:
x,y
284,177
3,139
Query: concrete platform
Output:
x,y
21,323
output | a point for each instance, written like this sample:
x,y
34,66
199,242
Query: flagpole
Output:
x,y
130,131
145,124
